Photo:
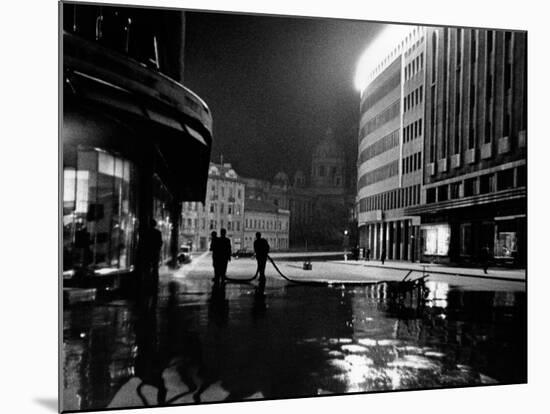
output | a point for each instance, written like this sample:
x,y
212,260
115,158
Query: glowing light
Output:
x,y
385,48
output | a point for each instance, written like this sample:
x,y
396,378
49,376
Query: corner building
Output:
x,y
474,177
390,152
136,142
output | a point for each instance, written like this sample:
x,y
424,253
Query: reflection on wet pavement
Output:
x,y
229,343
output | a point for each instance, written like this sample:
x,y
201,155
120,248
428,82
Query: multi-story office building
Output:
x,y
223,208
390,153
268,219
474,193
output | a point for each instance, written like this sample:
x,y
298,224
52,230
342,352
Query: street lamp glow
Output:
x,y
383,46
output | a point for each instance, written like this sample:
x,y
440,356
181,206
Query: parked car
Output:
x,y
243,253
183,255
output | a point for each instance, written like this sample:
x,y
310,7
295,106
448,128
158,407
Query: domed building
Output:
x,y
299,179
327,163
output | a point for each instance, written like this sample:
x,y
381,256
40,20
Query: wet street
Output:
x,y
206,343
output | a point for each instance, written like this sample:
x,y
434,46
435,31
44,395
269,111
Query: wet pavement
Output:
x,y
209,343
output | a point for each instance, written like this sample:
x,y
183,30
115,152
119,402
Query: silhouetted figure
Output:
x,y
383,255
153,244
261,249
82,244
367,254
214,249
221,254
484,258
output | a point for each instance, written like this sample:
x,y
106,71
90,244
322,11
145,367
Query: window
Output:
x,y
521,176
99,212
505,179
430,195
465,239
455,191
436,239
212,208
469,187
322,171
442,193
486,183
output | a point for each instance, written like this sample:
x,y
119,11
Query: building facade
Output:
x,y
129,148
268,219
475,172
223,208
442,146
390,149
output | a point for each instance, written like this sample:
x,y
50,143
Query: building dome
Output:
x,y
299,179
327,148
281,179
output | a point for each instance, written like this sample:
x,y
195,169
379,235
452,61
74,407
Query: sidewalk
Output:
x,y
432,268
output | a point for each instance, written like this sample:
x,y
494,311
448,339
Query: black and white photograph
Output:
x,y
258,207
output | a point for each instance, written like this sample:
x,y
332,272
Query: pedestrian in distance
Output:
x,y
484,258
367,254
261,249
222,254
383,255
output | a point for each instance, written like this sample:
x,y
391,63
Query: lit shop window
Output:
x,y
436,239
161,214
99,213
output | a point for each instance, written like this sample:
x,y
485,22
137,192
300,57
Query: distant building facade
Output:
x,y
268,219
390,153
320,203
442,147
223,208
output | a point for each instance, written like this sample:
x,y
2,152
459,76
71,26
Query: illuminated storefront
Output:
x,y
99,212
436,239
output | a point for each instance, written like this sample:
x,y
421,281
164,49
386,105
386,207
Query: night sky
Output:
x,y
275,85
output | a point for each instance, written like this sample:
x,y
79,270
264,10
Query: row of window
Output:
x,y
398,198
412,163
397,50
414,46
452,135
230,192
382,173
412,131
414,67
265,224
382,90
484,184
391,112
384,144
279,243
194,206
231,226
412,99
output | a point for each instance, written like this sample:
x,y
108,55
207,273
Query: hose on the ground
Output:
x,y
317,282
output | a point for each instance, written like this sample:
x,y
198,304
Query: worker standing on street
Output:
x,y
261,249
